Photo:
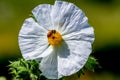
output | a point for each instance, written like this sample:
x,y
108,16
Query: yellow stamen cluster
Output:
x,y
54,37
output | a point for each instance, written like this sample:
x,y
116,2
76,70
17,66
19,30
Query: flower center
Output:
x,y
54,37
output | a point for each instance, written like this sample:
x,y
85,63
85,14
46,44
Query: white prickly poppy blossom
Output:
x,y
61,39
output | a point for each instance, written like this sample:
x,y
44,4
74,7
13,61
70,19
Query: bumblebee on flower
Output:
x,y
60,38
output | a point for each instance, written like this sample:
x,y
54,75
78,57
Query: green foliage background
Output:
x,y
103,15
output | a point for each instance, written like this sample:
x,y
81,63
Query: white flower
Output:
x,y
60,38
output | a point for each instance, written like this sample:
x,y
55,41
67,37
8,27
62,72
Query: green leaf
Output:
x,y
29,70
25,70
80,72
91,64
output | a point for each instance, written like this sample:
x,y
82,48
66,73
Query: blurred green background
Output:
x,y
103,15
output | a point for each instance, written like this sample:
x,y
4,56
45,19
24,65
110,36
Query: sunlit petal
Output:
x,y
49,66
79,52
85,34
32,39
42,15
68,17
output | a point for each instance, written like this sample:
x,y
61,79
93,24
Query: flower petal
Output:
x,y
68,17
78,55
86,34
32,39
66,59
42,15
49,66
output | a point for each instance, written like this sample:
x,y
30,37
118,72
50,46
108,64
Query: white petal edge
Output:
x,y
43,16
49,66
67,17
66,59
85,34
32,40
79,53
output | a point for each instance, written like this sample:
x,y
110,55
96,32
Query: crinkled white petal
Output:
x,y
85,34
42,15
79,52
68,18
67,59
33,40
49,66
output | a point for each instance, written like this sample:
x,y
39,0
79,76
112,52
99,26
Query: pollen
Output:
x,y
54,37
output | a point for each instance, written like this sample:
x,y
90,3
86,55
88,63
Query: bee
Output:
x,y
51,32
